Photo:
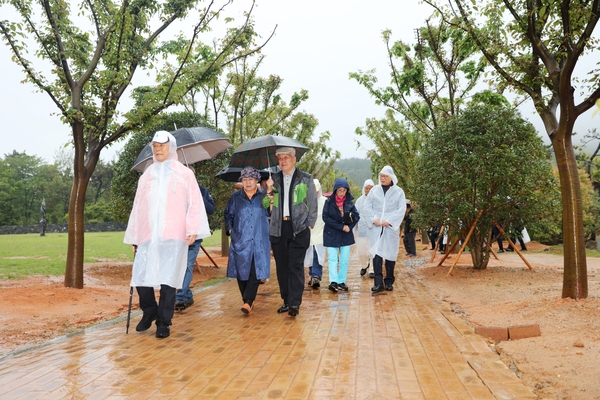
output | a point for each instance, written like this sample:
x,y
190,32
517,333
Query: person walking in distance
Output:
x,y
292,199
363,230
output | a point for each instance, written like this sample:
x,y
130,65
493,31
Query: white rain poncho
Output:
x,y
390,207
363,230
168,207
316,233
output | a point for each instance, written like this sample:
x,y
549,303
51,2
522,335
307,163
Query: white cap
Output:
x,y
161,137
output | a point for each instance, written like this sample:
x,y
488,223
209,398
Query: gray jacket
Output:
x,y
303,202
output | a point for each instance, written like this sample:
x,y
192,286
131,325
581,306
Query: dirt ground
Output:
x,y
40,308
562,363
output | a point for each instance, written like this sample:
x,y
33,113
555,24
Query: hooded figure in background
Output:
x,y
315,254
363,230
340,216
168,215
384,211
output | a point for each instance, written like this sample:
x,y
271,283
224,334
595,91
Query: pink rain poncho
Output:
x,y
168,207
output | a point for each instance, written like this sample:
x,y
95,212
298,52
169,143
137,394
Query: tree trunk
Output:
x,y
82,172
575,265
224,241
480,254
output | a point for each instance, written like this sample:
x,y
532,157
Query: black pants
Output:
x,y
409,243
166,304
378,271
497,237
433,234
289,253
249,288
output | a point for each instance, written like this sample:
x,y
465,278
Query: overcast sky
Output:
x,y
317,44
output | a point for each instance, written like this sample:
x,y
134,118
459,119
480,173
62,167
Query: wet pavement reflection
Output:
x,y
401,344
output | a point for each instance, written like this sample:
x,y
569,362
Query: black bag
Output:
x,y
349,218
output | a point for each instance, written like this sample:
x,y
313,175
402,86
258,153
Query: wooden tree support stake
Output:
x,y
209,257
465,243
513,246
448,252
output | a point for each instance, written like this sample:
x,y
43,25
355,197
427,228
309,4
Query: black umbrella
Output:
x,y
193,145
260,152
232,174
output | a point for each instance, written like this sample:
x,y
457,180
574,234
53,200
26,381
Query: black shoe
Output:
x,y
293,311
442,252
189,302
523,249
389,287
316,282
162,330
179,305
342,286
283,308
501,251
509,249
377,288
333,287
372,275
145,323
363,271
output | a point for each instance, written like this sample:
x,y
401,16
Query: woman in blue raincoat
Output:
x,y
246,221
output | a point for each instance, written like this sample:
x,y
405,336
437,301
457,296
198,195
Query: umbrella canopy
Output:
x,y
193,145
260,152
232,174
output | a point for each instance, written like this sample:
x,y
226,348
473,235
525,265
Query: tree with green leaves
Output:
x,y
96,51
486,165
535,49
429,83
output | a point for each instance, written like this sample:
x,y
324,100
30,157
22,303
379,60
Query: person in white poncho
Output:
x,y
168,215
384,211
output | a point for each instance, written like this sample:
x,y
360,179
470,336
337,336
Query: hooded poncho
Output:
x,y
386,206
168,207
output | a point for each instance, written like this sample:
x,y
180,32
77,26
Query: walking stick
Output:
x,y
129,310
130,297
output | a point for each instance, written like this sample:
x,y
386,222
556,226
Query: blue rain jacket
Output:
x,y
248,222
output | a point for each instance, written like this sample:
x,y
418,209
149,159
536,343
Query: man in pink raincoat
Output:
x,y
167,216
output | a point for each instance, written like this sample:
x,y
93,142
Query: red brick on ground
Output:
x,y
523,331
493,332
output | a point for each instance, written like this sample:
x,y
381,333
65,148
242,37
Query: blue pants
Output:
x,y
316,269
185,294
332,263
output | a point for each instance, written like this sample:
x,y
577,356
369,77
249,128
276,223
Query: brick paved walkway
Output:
x,y
395,345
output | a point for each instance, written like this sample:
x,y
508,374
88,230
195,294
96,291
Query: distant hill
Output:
x,y
357,169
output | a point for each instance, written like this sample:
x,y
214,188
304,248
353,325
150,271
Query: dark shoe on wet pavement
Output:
x,y
377,289
145,323
389,287
316,282
333,287
283,308
372,275
293,311
162,330
342,286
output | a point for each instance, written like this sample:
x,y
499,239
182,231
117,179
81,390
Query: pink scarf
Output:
x,y
339,202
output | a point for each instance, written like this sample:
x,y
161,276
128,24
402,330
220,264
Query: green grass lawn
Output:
x,y
32,254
